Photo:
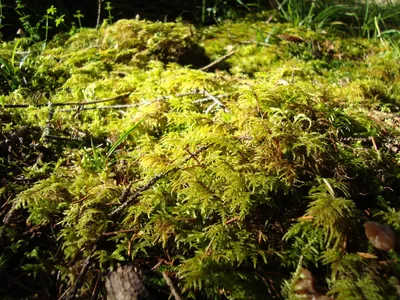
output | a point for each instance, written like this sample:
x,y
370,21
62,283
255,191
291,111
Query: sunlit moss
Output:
x,y
297,134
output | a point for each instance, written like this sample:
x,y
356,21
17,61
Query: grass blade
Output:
x,y
122,138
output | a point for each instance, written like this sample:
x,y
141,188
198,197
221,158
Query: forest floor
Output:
x,y
236,161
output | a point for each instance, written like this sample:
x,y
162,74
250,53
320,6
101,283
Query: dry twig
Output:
x,y
71,294
138,191
67,103
171,286
215,62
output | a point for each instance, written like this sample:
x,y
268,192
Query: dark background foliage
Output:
x,y
190,10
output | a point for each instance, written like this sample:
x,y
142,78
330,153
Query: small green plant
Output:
x,y
312,14
122,138
218,10
52,15
51,11
392,36
78,15
94,159
10,70
2,17
32,31
109,8
372,18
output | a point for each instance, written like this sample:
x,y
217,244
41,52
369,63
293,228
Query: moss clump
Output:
x,y
233,182
133,42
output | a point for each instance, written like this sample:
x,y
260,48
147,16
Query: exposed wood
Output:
x,y
125,284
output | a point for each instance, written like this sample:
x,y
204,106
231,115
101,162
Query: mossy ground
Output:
x,y
234,178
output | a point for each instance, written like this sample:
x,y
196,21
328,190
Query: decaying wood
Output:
x,y
125,284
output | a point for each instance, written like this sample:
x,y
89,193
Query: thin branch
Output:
x,y
80,200
208,99
171,286
130,244
144,102
232,220
215,62
46,130
120,231
195,92
210,107
71,294
126,193
158,264
215,99
138,191
119,106
95,291
192,155
67,103
3,208
60,138
98,13
99,107
252,42
374,144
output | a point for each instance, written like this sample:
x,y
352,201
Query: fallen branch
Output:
x,y
216,102
66,103
95,291
171,286
71,294
138,191
120,231
81,105
47,128
126,192
207,99
100,107
121,106
247,42
60,138
215,62
374,144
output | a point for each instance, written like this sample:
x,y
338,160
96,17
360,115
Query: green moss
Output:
x,y
233,194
